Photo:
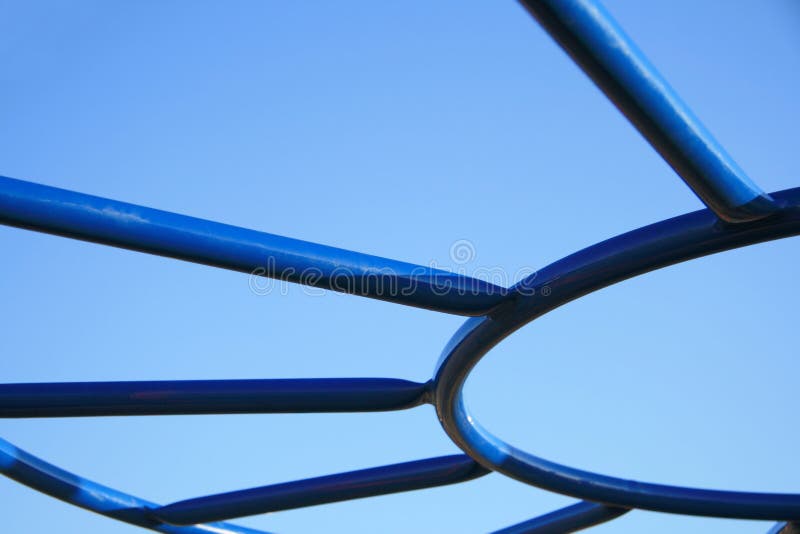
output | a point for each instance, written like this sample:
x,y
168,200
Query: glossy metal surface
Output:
x,y
785,528
395,478
56,482
570,519
588,33
658,245
82,399
740,214
109,222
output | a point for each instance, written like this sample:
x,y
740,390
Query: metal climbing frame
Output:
x,y
738,214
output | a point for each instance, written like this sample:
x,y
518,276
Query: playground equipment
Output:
x,y
738,214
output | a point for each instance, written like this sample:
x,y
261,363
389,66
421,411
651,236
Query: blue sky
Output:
x,y
395,130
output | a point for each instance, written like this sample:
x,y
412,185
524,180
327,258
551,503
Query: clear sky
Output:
x,y
397,129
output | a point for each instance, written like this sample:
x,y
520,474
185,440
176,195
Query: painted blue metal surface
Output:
x,y
739,214
785,528
56,482
407,476
659,245
588,33
100,220
579,516
83,399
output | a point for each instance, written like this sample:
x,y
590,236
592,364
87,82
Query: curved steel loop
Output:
x,y
652,247
742,215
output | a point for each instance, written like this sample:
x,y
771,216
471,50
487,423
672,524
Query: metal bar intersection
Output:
x,y
739,214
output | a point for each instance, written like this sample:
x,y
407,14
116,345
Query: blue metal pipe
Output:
x,y
784,528
570,519
651,247
109,222
184,397
56,482
395,478
588,33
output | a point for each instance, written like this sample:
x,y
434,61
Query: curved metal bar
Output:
x,y
383,480
594,40
570,519
184,397
56,482
588,33
109,222
652,247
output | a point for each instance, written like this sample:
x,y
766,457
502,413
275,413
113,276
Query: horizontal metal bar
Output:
x,y
56,482
184,397
588,33
332,488
570,519
109,222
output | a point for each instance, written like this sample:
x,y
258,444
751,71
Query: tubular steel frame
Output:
x,y
738,214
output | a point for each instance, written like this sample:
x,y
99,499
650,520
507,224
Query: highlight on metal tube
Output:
x,y
395,478
189,397
110,222
570,519
594,40
35,473
588,33
648,248
785,528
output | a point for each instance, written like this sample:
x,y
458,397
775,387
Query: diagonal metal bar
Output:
x,y
109,222
785,528
395,478
588,33
570,519
27,469
185,397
